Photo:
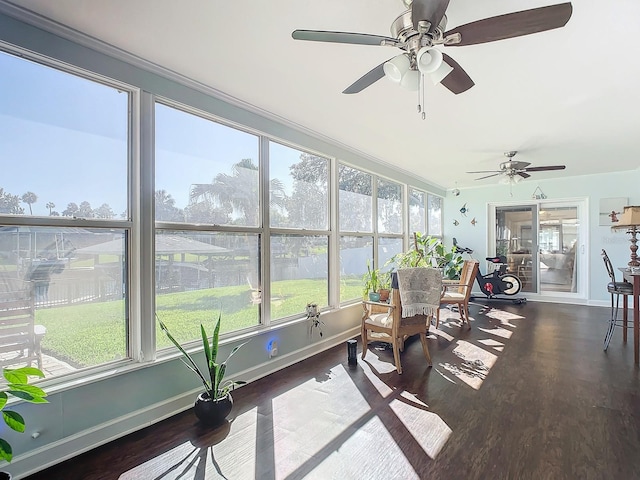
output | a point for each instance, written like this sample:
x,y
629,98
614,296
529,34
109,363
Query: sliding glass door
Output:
x,y
544,245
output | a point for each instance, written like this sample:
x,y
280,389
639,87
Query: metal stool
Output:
x,y
615,289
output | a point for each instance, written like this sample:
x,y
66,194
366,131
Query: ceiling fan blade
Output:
x,y
429,10
513,25
369,78
343,37
544,169
494,175
524,175
457,81
485,171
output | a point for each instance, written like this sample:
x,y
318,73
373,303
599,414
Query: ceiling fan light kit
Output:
x,y
422,26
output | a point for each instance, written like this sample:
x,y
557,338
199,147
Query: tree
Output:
x,y
10,204
240,191
30,198
71,210
104,211
166,209
85,210
308,205
50,206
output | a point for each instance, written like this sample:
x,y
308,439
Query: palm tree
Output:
x,y
240,190
29,198
50,206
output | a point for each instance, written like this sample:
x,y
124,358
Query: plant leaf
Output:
x,y
189,361
30,390
13,420
20,375
205,344
214,340
3,399
5,450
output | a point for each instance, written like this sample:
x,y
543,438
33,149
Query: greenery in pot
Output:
x,y
371,280
215,386
429,251
18,386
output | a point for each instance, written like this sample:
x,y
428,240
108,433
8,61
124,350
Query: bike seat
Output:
x,y
500,259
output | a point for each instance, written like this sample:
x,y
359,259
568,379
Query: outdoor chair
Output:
x,y
20,337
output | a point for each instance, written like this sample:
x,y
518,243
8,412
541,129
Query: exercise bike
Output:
x,y
498,282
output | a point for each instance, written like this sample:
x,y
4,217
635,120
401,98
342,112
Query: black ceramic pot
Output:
x,y
5,476
213,412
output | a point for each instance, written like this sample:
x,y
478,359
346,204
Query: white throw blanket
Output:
x,y
420,290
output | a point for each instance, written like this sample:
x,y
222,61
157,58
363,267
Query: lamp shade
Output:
x,y
411,80
443,70
395,68
429,59
630,217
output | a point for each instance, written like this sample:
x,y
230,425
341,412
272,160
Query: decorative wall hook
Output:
x,y
538,194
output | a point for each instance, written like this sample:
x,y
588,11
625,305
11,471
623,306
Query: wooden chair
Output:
x,y
20,337
458,292
383,322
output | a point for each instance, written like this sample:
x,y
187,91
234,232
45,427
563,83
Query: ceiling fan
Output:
x,y
513,171
422,26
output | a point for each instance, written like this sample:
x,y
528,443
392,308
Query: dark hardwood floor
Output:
x,y
527,393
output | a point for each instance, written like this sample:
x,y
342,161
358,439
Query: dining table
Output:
x,y
633,276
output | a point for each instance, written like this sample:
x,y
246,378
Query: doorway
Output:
x,y
543,244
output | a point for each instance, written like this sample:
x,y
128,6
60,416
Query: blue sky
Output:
x,y
65,139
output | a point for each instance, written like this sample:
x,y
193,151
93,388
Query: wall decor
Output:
x,y
538,194
473,222
610,210
464,210
456,223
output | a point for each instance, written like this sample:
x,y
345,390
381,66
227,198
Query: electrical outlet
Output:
x,y
273,350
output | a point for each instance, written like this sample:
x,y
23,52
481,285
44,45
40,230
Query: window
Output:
x,y
389,207
435,215
417,211
356,204
207,177
299,189
65,144
355,252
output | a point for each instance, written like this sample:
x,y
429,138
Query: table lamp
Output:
x,y
630,220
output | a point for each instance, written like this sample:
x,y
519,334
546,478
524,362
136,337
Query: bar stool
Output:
x,y
615,289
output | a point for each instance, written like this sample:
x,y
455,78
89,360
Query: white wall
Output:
x,y
591,187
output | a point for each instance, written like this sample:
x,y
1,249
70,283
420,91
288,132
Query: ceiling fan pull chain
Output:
x,y
421,97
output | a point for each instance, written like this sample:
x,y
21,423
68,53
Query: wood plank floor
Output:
x,y
527,393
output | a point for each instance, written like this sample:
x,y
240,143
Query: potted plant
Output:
x,y
429,251
17,386
371,283
214,404
384,288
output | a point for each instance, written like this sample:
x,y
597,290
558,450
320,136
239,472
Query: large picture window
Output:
x,y
64,218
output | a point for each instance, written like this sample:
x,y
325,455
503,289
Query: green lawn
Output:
x,y
94,333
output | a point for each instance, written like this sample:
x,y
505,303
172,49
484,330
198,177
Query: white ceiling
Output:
x,y
567,96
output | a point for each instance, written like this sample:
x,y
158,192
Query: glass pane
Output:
x,y
558,237
354,254
355,199
387,248
514,240
417,208
298,185
205,172
435,215
299,273
64,143
201,274
389,207
70,284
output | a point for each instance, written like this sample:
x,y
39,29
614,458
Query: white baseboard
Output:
x,y
69,447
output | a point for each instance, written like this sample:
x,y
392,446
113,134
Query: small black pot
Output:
x,y
213,412
5,476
